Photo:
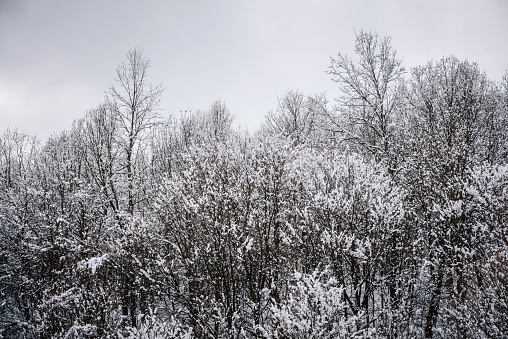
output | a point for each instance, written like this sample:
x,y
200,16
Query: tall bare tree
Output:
x,y
370,93
135,103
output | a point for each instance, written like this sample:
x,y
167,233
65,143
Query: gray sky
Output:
x,y
57,57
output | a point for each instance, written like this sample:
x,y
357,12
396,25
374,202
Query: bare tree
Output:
x,y
370,93
220,120
134,102
297,116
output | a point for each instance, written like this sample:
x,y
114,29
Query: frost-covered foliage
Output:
x,y
383,217
314,307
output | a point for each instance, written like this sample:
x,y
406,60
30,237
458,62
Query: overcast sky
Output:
x,y
58,57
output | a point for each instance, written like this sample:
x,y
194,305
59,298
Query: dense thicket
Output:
x,y
384,216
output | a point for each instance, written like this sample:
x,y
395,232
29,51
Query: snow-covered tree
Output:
x,y
371,98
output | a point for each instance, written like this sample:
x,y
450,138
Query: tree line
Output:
x,y
380,214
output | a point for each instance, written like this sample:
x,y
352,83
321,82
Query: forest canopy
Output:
x,y
379,212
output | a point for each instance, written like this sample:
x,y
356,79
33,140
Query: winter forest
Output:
x,y
377,211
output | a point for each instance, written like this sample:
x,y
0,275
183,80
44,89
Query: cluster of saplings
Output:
x,y
380,214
